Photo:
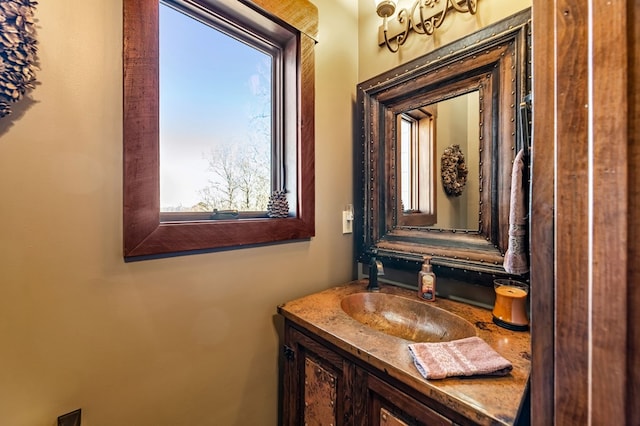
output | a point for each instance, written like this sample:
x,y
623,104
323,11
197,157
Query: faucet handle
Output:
x,y
375,269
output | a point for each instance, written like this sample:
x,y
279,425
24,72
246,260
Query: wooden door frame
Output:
x,y
584,190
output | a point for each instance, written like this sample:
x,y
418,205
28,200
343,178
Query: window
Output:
x,y
409,163
162,124
217,144
417,143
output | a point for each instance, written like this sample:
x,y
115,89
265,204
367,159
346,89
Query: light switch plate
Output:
x,y
347,222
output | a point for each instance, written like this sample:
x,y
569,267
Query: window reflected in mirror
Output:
x,y
417,157
424,135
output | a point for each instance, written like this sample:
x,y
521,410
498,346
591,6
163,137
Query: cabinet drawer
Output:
x,y
389,406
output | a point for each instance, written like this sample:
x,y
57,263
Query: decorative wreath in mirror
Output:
x,y
454,171
17,51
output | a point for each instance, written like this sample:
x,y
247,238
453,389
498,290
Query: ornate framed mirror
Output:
x,y
437,141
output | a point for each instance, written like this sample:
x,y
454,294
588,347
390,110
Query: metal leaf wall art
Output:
x,y
17,51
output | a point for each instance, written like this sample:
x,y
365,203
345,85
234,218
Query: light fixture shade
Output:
x,y
385,8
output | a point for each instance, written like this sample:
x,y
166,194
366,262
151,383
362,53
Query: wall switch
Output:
x,y
71,419
347,219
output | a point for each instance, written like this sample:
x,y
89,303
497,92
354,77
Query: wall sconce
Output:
x,y
394,32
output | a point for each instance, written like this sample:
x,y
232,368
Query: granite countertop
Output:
x,y
485,400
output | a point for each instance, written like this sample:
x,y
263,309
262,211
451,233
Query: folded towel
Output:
x,y
464,357
515,259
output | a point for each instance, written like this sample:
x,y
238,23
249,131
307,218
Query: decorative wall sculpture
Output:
x,y
454,171
17,51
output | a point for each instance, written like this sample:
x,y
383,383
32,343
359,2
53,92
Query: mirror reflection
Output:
x,y
445,132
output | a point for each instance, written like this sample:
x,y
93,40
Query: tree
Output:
x,y
241,169
240,178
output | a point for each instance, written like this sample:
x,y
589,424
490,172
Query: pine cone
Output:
x,y
278,205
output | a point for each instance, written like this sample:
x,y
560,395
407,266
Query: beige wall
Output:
x,y
183,341
457,123
472,158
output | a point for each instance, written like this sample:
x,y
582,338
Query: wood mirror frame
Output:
x,y
495,61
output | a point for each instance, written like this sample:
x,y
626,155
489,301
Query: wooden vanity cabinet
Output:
x,y
317,383
325,386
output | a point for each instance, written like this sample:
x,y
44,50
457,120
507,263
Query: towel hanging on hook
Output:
x,y
515,259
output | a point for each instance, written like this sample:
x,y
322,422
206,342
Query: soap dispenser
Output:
x,y
427,281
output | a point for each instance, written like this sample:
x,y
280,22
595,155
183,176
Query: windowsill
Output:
x,y
171,217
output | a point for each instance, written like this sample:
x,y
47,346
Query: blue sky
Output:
x,y
207,85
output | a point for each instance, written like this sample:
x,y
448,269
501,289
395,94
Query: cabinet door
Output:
x,y
389,406
317,383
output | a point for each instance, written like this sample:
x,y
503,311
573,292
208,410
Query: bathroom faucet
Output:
x,y
375,269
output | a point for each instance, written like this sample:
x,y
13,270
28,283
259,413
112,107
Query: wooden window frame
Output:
x,y
145,235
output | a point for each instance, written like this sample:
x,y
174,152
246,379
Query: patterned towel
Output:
x,y
515,259
464,357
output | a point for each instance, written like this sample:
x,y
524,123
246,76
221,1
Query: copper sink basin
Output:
x,y
406,318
